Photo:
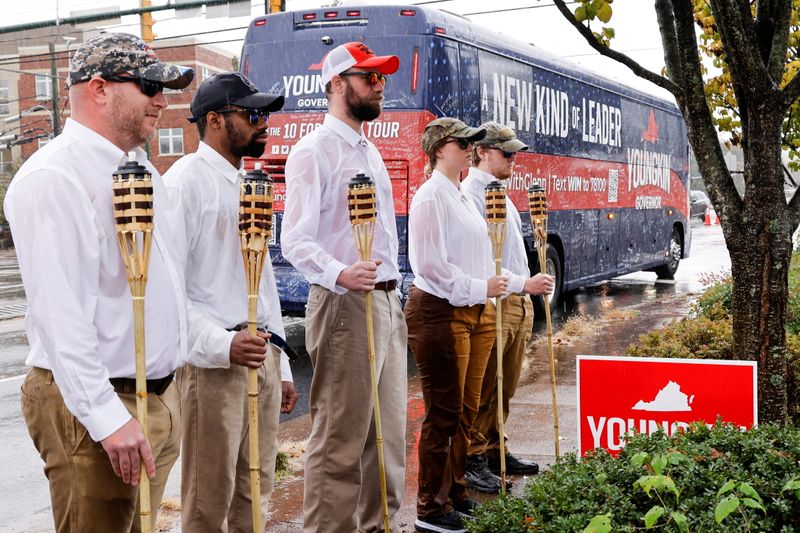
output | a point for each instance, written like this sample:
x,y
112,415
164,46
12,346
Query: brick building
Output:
x,y
174,136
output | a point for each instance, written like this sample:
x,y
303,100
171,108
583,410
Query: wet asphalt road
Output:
x,y
24,502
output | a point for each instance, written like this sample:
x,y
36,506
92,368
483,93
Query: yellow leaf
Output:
x,y
604,13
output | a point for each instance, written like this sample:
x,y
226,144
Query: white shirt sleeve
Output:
x,y
299,233
57,245
427,235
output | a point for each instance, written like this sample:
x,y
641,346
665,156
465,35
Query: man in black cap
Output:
x,y
79,397
231,117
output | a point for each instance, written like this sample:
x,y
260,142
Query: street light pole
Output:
x,y
54,89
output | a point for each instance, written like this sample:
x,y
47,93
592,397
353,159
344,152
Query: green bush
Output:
x,y
716,479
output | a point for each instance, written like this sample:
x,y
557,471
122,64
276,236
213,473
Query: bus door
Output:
x,y
607,240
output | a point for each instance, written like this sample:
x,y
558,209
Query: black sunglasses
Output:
x,y
148,87
371,77
462,143
254,115
507,155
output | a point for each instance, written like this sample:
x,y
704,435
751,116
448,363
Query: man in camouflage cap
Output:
x,y
79,396
110,54
493,159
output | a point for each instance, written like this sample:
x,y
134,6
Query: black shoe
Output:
x,y
479,477
466,507
514,466
447,523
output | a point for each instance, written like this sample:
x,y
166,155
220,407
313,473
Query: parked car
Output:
x,y
699,203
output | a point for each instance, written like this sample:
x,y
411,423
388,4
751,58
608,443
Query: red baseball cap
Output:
x,y
356,54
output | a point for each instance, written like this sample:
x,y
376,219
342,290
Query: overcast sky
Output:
x,y
634,20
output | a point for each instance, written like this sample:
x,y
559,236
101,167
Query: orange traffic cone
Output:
x,y
708,216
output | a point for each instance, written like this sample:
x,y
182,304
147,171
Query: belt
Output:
x,y
155,386
387,286
274,339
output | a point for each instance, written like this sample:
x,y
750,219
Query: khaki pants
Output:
x,y
451,346
85,493
517,325
215,462
342,483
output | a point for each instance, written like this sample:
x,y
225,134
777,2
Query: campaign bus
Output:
x,y
613,160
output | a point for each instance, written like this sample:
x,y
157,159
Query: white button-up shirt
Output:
x,y
80,312
206,188
515,259
449,246
316,236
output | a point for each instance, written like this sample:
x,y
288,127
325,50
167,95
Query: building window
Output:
x,y
170,141
44,88
5,108
6,163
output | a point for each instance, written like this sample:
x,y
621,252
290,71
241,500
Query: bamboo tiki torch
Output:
x,y
363,213
537,202
255,226
495,196
133,217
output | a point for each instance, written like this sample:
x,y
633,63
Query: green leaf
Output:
x,y
747,490
604,13
599,524
725,507
653,515
658,463
600,478
639,458
792,484
580,14
749,502
680,520
727,487
676,458
648,483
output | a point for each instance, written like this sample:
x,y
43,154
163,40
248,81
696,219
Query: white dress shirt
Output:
x,y
80,312
515,259
316,236
449,246
205,187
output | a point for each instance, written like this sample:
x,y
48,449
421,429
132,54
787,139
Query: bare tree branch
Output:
x,y
772,26
635,67
669,41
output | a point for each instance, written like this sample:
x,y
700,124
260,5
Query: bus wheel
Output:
x,y
667,270
554,269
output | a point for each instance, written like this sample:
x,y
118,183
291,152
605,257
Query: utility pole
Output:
x,y
146,19
276,6
54,90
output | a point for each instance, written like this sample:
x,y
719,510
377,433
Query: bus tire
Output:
x,y
668,270
555,270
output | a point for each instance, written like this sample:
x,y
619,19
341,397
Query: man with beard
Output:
x,y
231,118
493,159
79,399
342,483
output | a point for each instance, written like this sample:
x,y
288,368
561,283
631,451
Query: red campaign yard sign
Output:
x,y
617,395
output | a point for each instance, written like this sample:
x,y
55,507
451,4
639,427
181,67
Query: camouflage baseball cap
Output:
x,y
108,54
501,137
444,127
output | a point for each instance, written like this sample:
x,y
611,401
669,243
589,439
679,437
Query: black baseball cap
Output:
x,y
231,88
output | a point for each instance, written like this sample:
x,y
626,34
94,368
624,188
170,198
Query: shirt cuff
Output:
x,y
106,419
286,369
515,283
330,276
478,291
217,350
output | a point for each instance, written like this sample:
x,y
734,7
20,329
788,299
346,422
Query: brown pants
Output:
x,y
342,483
451,346
517,325
85,493
215,462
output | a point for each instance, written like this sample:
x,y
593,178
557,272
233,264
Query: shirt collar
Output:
x,y
219,163
104,147
447,185
484,178
344,131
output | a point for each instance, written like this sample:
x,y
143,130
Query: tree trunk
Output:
x,y
760,245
